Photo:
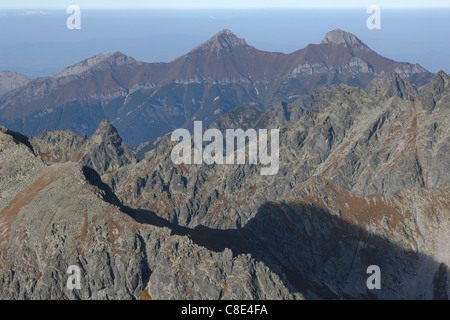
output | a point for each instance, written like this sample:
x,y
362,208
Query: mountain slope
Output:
x,y
147,100
66,216
363,180
375,158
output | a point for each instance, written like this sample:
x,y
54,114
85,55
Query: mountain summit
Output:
x,y
147,100
224,39
338,36
11,80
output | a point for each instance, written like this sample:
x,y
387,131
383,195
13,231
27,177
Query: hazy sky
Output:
x,y
36,41
212,4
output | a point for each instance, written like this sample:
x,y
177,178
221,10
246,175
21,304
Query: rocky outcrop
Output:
x,y
59,146
11,80
82,66
341,37
105,152
18,165
393,86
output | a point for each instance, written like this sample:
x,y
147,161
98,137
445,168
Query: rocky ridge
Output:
x,y
363,180
67,216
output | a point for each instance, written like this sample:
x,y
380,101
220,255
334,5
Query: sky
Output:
x,y
218,4
36,41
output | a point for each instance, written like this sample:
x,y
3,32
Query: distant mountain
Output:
x,y
147,100
11,80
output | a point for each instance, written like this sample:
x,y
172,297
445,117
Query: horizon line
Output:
x,y
226,8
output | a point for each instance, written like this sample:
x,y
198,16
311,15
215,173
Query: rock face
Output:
x,y
82,66
11,80
393,86
104,151
66,216
368,151
363,180
341,37
147,100
362,141
18,164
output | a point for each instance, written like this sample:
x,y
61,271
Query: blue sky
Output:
x,y
211,4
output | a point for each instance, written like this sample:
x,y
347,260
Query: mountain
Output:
x,y
103,152
363,180
362,140
61,214
375,158
146,100
11,80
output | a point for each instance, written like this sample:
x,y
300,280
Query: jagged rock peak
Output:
x,y
437,83
106,132
223,39
17,136
338,36
436,89
441,76
393,85
105,127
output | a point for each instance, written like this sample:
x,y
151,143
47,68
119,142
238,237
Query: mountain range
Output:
x,y
146,100
363,180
